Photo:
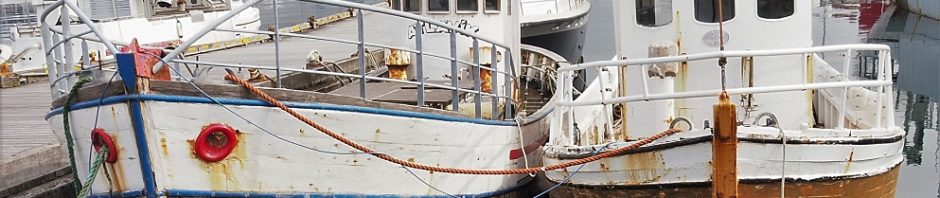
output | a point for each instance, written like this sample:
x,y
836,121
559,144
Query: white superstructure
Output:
x,y
145,21
666,74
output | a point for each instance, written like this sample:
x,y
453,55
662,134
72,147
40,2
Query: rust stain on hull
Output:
x,y
651,163
116,170
882,185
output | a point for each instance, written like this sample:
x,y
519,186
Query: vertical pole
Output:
x,y
845,90
85,58
277,44
890,86
50,62
724,149
68,60
60,63
622,92
362,56
508,63
881,75
455,94
476,79
419,63
493,81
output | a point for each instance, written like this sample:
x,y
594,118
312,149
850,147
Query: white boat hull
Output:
x,y
261,164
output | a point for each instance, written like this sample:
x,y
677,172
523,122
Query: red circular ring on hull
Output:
x,y
99,138
211,151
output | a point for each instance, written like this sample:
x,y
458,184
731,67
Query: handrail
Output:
x,y
565,101
339,3
727,54
501,74
228,65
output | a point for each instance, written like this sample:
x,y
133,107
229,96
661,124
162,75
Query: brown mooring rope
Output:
x,y
389,158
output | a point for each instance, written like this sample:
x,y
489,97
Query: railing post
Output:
x,y
59,63
476,79
85,59
890,81
608,109
419,63
362,56
508,63
277,45
845,90
455,94
51,69
881,88
493,82
68,60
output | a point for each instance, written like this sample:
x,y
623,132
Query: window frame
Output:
x,y
757,12
448,11
733,9
671,15
404,8
459,11
499,7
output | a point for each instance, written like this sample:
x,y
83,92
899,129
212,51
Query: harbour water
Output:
x,y
915,42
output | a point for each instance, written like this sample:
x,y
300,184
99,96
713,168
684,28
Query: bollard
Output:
x,y
724,149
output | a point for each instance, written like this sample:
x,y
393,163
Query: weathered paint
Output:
x,y
881,185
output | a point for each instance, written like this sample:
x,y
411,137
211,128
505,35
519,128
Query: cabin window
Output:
x,y
653,13
412,5
467,5
707,10
774,9
438,5
491,5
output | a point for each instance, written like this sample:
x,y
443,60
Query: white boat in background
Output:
x,y
804,128
149,22
483,106
556,25
929,8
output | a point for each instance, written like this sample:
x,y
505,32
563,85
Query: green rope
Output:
x,y
68,134
93,171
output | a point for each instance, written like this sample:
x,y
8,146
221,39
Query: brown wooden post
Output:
x,y
724,149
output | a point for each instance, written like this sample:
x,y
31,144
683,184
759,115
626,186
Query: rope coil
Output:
x,y
409,164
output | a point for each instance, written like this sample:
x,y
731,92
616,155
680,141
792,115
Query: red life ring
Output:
x,y
215,142
99,138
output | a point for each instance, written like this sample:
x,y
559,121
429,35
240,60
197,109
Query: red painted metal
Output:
x,y
215,142
100,138
145,62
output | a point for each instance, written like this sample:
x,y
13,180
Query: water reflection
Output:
x,y
915,41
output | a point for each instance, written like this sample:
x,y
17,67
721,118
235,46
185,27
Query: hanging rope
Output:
x,y
93,171
77,185
362,148
721,43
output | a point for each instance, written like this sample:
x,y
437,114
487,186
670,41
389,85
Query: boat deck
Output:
x,y
293,51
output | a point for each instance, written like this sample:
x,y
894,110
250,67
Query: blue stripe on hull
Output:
x,y
209,193
246,102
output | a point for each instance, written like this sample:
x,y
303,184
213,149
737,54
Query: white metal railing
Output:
x,y
60,59
565,101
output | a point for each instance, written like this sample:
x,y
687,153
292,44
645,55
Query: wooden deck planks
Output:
x,y
22,123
